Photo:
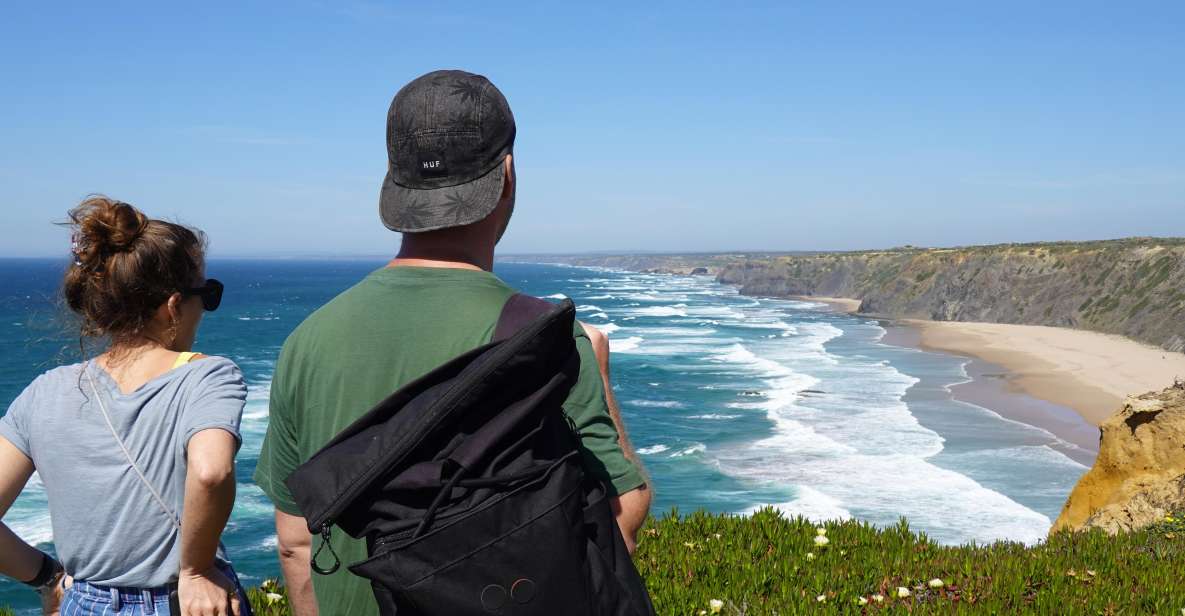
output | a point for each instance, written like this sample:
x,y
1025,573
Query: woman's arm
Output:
x,y
18,559
209,497
631,508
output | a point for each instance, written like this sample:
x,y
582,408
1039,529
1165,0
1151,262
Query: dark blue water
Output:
x,y
732,402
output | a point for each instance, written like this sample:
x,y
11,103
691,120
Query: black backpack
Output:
x,y
468,486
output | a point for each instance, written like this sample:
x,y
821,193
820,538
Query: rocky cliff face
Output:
x,y
1134,288
1139,476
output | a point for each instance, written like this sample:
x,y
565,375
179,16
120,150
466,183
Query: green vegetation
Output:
x,y
769,564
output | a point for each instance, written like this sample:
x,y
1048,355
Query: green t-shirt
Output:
x,y
395,326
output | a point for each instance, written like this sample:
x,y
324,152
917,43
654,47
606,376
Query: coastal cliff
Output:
x,y
1132,287
1139,476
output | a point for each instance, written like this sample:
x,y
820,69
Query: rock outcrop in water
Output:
x,y
1139,476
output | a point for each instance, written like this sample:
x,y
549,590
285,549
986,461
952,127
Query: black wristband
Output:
x,y
49,568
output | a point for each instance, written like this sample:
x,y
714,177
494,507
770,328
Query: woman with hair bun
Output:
x,y
135,446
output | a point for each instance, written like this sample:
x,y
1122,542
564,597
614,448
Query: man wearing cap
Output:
x,y
450,190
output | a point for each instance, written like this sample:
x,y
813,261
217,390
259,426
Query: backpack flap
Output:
x,y
387,467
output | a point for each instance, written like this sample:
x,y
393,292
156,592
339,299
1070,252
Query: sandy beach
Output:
x,y
1085,371
839,304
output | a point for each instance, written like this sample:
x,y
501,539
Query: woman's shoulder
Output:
x,y
205,364
69,375
53,383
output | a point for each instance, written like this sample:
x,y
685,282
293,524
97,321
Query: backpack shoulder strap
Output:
x,y
517,312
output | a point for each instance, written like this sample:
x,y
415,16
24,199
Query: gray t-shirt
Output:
x,y
107,527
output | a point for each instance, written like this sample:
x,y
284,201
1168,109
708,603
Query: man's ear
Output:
x,y
509,181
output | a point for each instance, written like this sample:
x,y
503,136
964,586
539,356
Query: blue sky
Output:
x,y
641,126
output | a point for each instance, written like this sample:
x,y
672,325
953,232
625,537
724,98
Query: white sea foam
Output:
x,y
589,308
32,526
713,416
608,328
812,505
659,404
626,345
661,311
555,296
653,449
692,450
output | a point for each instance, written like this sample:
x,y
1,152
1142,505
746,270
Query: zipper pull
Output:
x,y
337,563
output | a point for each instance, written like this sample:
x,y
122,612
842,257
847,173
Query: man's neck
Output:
x,y
415,262
461,253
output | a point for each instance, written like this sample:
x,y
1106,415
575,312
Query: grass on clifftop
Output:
x,y
769,564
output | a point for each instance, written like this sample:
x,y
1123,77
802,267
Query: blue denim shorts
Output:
x,y
86,599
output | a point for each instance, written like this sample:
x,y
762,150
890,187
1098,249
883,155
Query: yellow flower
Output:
x,y
273,598
821,540
902,592
878,597
861,601
820,531
810,555
716,605
821,598
936,583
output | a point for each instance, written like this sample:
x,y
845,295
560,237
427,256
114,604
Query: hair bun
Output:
x,y
105,227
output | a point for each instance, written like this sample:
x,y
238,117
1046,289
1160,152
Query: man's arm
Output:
x,y
630,508
295,545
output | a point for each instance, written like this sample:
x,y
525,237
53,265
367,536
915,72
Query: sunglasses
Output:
x,y
211,294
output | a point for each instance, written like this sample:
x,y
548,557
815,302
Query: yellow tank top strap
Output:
x,y
183,358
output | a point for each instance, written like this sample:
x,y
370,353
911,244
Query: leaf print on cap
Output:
x,y
415,215
456,207
468,90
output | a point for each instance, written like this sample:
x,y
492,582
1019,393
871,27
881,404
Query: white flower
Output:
x,y
878,597
821,598
937,583
861,601
902,591
810,555
821,540
716,605
820,531
273,597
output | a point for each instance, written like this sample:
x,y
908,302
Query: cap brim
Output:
x,y
412,210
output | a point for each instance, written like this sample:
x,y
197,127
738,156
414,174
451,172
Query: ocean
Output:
x,y
732,402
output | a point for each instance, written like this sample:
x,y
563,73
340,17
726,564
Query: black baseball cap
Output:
x,y
448,133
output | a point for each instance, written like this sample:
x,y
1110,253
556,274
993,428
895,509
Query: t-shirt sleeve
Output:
x,y
586,406
280,454
14,425
216,401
